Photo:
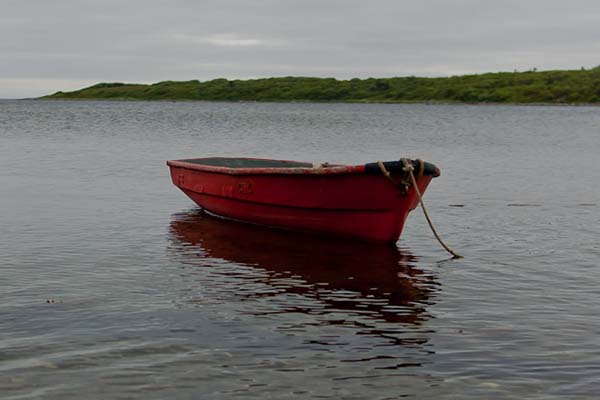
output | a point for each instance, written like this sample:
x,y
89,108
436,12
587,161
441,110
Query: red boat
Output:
x,y
368,202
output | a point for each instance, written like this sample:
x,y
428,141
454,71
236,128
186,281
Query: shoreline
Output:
x,y
425,103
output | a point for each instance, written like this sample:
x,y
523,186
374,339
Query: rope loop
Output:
x,y
384,171
403,184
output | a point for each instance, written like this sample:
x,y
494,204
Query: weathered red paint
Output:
x,y
335,200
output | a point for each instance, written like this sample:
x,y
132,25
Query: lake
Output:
x,y
114,284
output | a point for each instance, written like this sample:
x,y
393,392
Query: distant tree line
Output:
x,y
573,86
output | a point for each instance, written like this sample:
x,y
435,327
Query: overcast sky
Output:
x,y
50,45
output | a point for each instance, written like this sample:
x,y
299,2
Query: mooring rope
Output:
x,y
408,168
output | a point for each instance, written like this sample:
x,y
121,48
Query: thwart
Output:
x,y
368,202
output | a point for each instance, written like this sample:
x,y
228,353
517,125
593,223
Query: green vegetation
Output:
x,y
577,86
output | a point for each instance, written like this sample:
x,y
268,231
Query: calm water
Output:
x,y
113,285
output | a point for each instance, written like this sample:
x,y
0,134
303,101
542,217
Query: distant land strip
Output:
x,y
557,87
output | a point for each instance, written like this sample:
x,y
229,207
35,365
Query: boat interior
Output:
x,y
247,163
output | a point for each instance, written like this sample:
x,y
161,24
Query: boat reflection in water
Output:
x,y
373,281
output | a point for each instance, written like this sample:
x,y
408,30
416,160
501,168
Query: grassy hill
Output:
x,y
575,86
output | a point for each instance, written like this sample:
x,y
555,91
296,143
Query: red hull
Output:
x,y
338,200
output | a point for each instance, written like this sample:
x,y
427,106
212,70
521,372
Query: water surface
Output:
x,y
116,286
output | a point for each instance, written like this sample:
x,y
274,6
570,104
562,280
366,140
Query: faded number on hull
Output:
x,y
244,187
227,191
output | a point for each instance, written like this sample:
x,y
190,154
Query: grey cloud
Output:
x,y
152,40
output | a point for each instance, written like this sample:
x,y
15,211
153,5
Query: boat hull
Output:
x,y
332,201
